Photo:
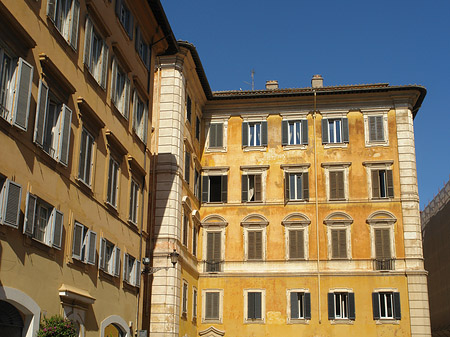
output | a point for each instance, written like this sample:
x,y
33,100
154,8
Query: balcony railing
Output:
x,y
213,266
383,264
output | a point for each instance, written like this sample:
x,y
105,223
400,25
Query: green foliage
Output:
x,y
56,326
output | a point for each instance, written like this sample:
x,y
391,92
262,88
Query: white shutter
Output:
x,y
113,80
90,249
41,114
144,129
116,261
102,254
64,139
11,209
2,200
51,9
135,109
58,220
87,42
137,270
74,24
126,100
22,94
77,240
105,54
28,226
125,267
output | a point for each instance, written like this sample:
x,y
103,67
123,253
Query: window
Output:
x,y
382,184
16,77
95,53
296,186
337,181
120,89
43,222
125,17
339,243
188,108
215,135
140,115
335,130
187,166
254,133
254,307
113,182
185,228
296,244
251,188
254,245
383,239
213,251
134,201
197,190
84,244
131,270
194,240
212,305
184,303
341,305
376,127
214,188
339,235
386,305
382,243
299,307
197,128
10,196
52,126
254,237
86,157
142,48
194,303
337,185
65,16
296,236
294,132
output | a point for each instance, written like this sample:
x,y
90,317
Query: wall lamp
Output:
x,y
151,270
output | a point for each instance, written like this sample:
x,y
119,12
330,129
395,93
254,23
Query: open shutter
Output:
x,y
88,42
397,311
307,299
342,243
105,54
144,136
219,135
130,27
77,241
286,187
135,108
64,140
224,188
41,111
390,183
22,94
137,276
116,261
330,306
325,131
74,24
126,102
58,220
294,305
305,181
351,306
113,78
51,9
205,188
13,194
345,137
375,184
264,133
244,184
28,226
244,134
91,247
258,187
125,267
284,133
304,131
376,306
137,39
102,255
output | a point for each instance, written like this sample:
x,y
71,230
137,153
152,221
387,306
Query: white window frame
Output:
x,y
367,113
336,221
217,120
70,9
302,319
333,167
109,265
86,165
119,78
184,298
343,304
386,319
378,166
87,251
113,183
10,200
256,170
96,53
140,117
135,189
213,172
212,320
333,115
263,306
131,276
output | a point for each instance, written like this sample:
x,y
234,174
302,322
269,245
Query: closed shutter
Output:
x,y
376,306
380,128
219,135
64,139
28,226
330,306
351,306
41,112
116,261
22,94
114,78
304,131
342,243
254,305
390,183
255,245
325,131
284,132
294,305
382,243
118,7
205,189
307,299
74,24
244,184
58,220
345,136
213,135
305,180
137,39
224,187
51,9
102,255
212,305
296,244
126,101
334,243
333,185
130,27
264,133
214,246
397,310
137,269
105,54
340,185
88,29
77,241
13,194
187,167
91,247
375,184
372,128
258,187
339,243
286,187
244,134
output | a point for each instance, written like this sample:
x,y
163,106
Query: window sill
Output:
x,y
299,201
298,321
335,145
254,321
295,147
216,149
346,321
381,199
338,200
60,36
212,321
383,143
118,112
112,208
83,186
184,316
258,202
254,148
213,203
387,321
140,140
92,77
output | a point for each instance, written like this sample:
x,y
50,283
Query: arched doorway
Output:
x,y
11,321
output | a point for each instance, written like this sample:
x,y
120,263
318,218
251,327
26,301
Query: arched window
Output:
x,y
339,235
382,239
213,242
296,234
254,237
11,322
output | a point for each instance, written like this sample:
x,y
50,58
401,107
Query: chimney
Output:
x,y
317,81
271,85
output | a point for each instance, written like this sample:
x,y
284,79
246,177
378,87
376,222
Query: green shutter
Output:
x,y
244,134
304,131
307,301
205,188
264,133
244,185
376,306
294,305
345,136
325,131
390,183
284,132
305,180
351,306
397,311
224,188
330,306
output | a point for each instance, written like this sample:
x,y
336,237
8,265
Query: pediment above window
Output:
x,y
381,217
88,114
214,220
338,218
55,78
254,220
296,219
211,332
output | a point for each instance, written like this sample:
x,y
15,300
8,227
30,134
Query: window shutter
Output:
x,y
116,261
258,305
137,39
118,7
386,243
137,268
13,195
102,255
345,137
397,311
217,256
304,131
284,133
340,185
294,305
64,140
305,181
342,243
91,247
125,267
258,187
307,300
264,133
130,26
380,128
88,28
212,305
296,244
144,136
330,306
77,241
251,245
28,227
205,188
22,94
378,244
105,54
213,135
224,188
58,220
41,111
135,109
376,306
3,190
114,77
51,9
210,246
219,135
244,134
390,183
187,167
372,128
334,243
375,184
351,306
244,183
126,110
301,243
333,185
74,24
258,246
325,131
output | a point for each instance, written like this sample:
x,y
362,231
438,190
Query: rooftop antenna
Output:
x,y
253,80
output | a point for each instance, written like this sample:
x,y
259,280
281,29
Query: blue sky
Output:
x,y
347,42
